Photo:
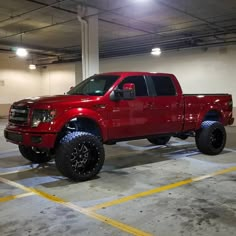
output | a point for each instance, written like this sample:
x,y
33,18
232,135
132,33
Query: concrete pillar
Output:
x,y
78,72
90,51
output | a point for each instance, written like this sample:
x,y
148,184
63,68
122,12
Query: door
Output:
x,y
130,118
168,107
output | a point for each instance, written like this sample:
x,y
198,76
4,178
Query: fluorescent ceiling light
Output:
x,y
32,67
156,51
21,52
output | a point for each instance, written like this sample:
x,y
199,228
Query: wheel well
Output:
x,y
80,124
213,116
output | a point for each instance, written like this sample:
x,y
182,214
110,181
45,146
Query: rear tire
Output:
x,y
162,140
34,155
80,156
211,138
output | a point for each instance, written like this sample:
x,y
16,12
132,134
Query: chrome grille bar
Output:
x,y
19,115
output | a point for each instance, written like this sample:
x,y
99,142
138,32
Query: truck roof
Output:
x,y
136,73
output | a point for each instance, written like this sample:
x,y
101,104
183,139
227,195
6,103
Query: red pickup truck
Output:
x,y
111,107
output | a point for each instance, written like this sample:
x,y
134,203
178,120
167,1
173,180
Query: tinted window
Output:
x,y
139,82
96,85
164,86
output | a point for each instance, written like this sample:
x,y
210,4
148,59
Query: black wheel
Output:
x,y
159,140
80,156
34,155
211,138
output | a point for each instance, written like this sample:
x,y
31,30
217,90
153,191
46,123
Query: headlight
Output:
x,y
42,116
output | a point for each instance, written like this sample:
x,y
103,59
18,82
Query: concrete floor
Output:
x,y
142,190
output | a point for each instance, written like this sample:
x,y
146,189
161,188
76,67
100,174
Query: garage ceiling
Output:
x,y
51,31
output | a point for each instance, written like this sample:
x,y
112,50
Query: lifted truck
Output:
x,y
111,107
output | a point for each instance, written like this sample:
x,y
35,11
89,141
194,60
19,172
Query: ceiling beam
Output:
x,y
37,29
14,18
210,24
101,11
46,51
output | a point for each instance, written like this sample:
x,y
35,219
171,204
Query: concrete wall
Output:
x,y
211,71
16,81
198,70
57,79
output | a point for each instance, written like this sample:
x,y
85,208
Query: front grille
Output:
x,y
19,115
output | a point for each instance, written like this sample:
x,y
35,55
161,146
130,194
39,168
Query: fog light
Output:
x,y
36,139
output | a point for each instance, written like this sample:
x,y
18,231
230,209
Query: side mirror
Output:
x,y
126,93
116,95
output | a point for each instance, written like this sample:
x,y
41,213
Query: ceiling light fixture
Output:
x,y
156,51
21,52
32,67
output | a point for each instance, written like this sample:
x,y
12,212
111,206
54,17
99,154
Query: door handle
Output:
x,y
148,106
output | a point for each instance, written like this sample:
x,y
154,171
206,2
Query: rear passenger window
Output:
x,y
163,86
139,82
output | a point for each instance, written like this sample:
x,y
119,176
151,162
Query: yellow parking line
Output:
x,y
22,171
123,227
12,197
160,189
90,211
14,184
14,172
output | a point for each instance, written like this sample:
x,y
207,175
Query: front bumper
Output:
x,y
41,140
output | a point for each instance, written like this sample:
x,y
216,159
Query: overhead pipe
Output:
x,y
168,41
119,54
36,29
114,11
74,12
160,41
210,24
31,11
148,36
101,11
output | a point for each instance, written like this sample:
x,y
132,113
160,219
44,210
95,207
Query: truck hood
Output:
x,y
54,100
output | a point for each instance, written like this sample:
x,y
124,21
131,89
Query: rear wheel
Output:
x,y
159,140
80,156
211,138
34,155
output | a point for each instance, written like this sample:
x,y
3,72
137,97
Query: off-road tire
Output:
x,y
80,156
211,138
162,140
34,155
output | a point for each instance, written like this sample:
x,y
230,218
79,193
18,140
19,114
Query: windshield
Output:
x,y
96,85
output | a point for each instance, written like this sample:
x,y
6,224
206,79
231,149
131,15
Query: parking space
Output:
x,y
141,190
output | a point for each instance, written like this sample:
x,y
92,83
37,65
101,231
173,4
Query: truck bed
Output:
x,y
199,106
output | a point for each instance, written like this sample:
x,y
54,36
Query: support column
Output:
x,y
90,51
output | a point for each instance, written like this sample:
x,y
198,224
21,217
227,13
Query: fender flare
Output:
x,y
204,112
73,113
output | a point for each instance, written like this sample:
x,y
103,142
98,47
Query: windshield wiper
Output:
x,y
78,94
